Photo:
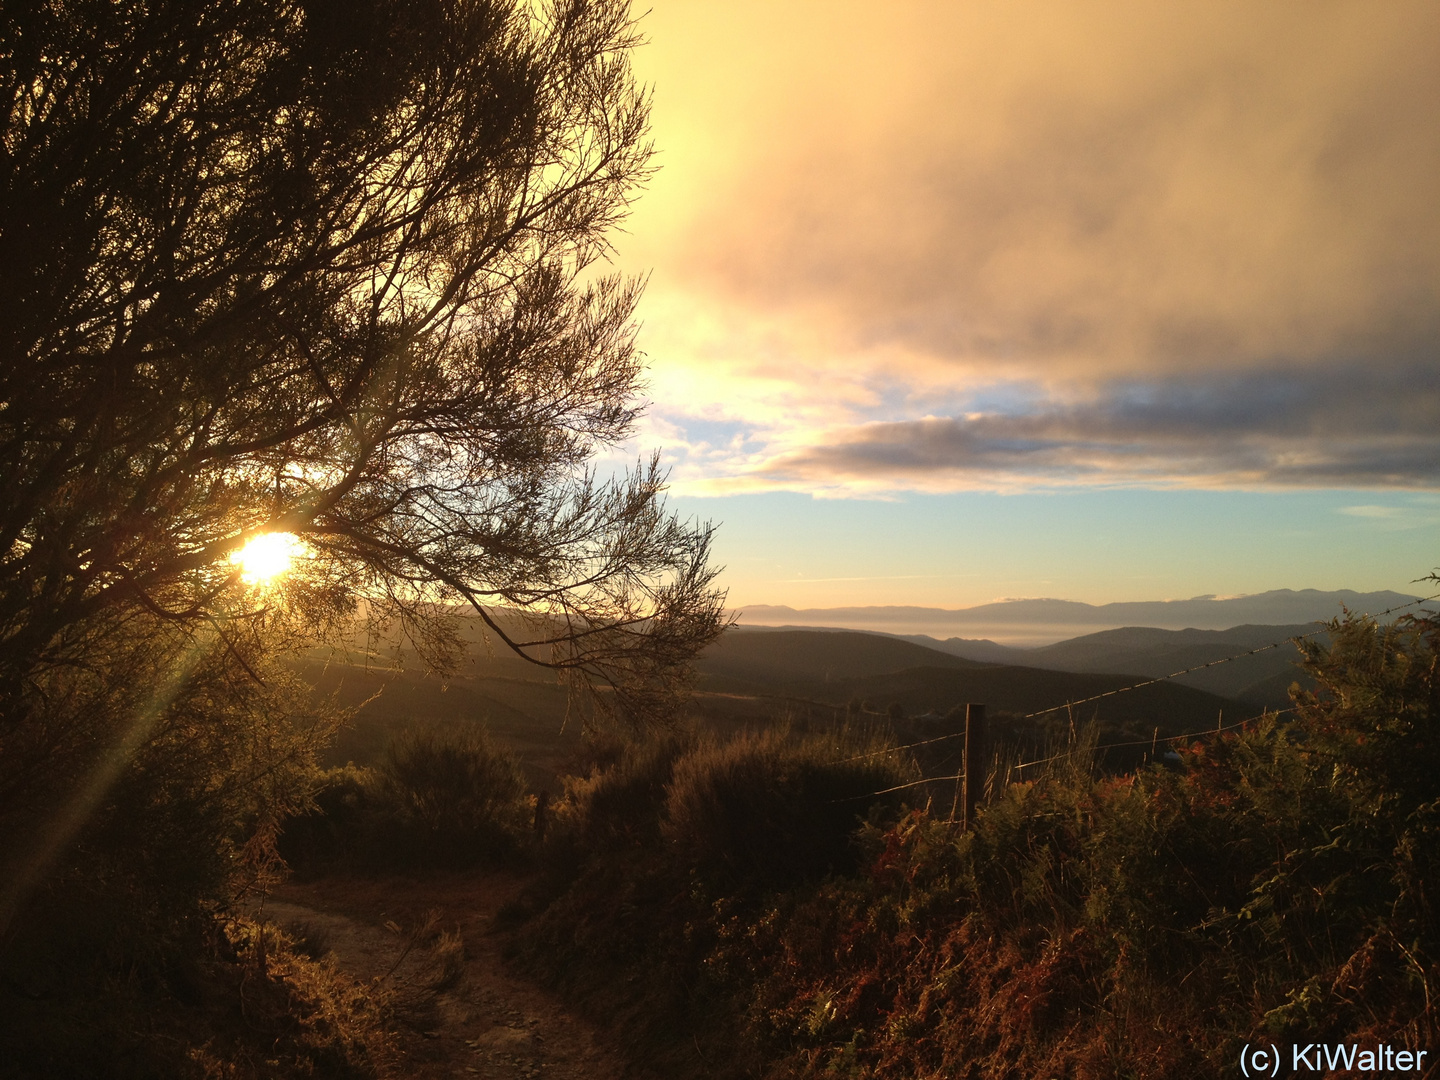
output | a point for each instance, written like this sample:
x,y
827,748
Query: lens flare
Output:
x,y
266,557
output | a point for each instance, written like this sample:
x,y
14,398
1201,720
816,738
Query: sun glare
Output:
x,y
266,557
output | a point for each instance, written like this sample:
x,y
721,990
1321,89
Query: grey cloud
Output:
x,y
1335,428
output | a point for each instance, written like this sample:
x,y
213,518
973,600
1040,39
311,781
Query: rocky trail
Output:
x,y
433,945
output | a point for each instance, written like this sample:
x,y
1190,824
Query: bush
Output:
x,y
1276,887
227,1007
452,785
772,810
657,854
336,832
138,800
440,797
621,805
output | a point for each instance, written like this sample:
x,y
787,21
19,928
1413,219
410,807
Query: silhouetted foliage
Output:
x,y
439,797
317,268
657,856
770,810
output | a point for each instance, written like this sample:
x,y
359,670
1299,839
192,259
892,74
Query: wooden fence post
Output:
x,y
974,760
542,808
959,774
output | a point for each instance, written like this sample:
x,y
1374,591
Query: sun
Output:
x,y
266,557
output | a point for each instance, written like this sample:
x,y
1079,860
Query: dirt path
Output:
x,y
488,1023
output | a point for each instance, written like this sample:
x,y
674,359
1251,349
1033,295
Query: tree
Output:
x,y
325,268
320,268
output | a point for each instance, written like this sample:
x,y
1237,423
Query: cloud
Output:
x,y
1383,513
1336,428
992,244
1395,518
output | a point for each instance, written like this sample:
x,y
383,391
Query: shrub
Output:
x,y
621,804
153,809
770,809
452,785
674,841
1275,887
233,1009
334,831
440,797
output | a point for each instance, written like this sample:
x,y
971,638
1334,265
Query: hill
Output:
x,y
875,673
790,656
1262,680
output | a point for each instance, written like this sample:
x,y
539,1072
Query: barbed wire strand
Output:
x,y
1162,738
1066,753
896,749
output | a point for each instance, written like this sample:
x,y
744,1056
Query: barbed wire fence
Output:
x,y
1069,706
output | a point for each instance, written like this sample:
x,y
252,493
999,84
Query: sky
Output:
x,y
950,302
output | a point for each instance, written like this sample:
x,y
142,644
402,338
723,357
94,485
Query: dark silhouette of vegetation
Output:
x,y
1276,886
316,269
657,854
440,797
293,267
453,786
771,809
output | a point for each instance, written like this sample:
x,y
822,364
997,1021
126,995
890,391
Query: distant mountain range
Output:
x,y
1043,621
